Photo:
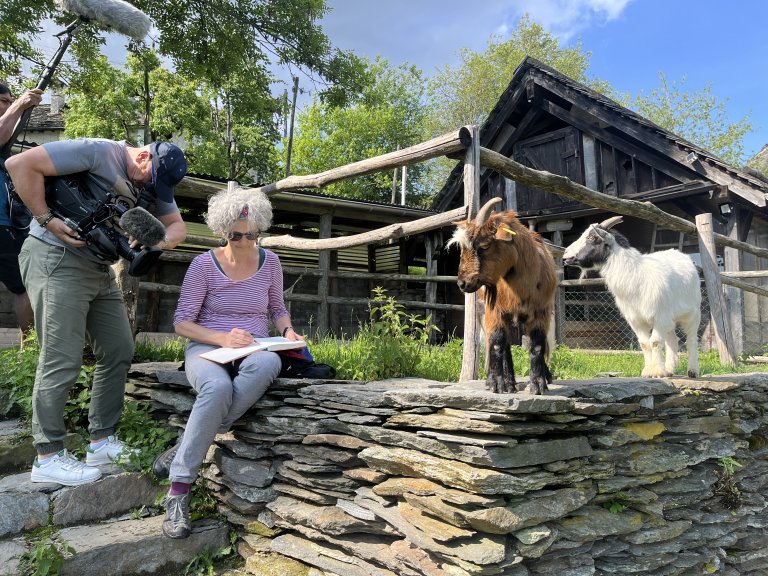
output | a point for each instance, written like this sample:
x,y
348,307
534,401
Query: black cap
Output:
x,y
169,166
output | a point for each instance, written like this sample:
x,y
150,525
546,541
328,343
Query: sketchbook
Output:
x,y
224,355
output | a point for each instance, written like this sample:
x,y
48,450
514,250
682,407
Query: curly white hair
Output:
x,y
225,208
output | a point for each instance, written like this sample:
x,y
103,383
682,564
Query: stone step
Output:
x,y
25,505
124,547
102,521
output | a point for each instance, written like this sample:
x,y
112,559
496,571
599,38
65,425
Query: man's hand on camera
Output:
x,y
135,244
64,233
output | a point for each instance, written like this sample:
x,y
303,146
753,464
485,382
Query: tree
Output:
x,y
466,93
108,102
19,26
227,46
214,39
219,45
117,103
390,114
240,142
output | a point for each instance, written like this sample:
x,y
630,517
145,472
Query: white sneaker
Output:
x,y
65,469
109,452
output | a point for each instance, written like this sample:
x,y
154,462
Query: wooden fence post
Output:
x,y
737,227
324,282
431,242
717,305
558,330
472,202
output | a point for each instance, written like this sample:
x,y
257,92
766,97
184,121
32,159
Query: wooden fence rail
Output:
x,y
562,186
445,145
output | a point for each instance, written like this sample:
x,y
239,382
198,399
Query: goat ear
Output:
x,y
505,233
604,234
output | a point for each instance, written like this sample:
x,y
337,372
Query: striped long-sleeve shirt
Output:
x,y
212,300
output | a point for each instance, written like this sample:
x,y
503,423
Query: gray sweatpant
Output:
x,y
74,301
220,401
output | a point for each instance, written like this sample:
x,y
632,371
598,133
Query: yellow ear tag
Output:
x,y
505,229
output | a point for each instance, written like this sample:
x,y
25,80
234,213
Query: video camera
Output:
x,y
90,210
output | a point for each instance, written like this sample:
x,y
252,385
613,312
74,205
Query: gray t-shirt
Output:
x,y
106,162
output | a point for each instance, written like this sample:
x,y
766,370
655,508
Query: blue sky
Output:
x,y
713,42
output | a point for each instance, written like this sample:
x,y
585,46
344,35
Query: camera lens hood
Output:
x,y
143,261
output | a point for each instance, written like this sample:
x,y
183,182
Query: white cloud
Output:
x,y
566,18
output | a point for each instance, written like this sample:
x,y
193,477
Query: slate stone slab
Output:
x,y
136,547
109,496
22,511
326,519
401,462
476,399
312,553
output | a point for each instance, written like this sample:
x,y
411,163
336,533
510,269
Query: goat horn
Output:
x,y
482,215
611,222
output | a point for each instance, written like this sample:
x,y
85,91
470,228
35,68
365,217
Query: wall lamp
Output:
x,y
691,157
725,208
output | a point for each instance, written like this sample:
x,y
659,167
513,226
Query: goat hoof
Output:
x,y
493,385
693,374
537,386
654,372
509,387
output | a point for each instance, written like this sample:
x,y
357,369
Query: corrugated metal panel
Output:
x,y
388,258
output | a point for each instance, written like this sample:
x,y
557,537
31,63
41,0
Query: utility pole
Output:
x,y
394,183
290,133
285,113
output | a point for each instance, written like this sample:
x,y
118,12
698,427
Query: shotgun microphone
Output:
x,y
116,14
140,224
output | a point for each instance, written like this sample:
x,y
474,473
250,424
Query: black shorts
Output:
x,y
11,240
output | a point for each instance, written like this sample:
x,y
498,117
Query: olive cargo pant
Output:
x,y
75,301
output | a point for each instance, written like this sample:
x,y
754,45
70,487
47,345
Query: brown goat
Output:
x,y
517,273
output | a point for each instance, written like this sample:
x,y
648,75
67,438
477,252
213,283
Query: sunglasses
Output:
x,y
235,236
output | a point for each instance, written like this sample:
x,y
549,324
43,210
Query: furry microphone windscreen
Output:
x,y
143,226
116,14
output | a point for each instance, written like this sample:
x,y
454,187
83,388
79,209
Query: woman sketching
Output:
x,y
229,297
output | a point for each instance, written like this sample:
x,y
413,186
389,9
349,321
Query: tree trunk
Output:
x,y
129,286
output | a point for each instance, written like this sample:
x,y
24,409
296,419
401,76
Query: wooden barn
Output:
x,y
547,121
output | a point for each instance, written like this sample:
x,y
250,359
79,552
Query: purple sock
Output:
x,y
178,488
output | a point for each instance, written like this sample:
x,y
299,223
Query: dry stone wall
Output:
x,y
413,477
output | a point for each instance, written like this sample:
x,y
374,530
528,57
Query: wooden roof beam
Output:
x,y
654,139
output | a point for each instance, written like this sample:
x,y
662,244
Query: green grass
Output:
x,y
168,351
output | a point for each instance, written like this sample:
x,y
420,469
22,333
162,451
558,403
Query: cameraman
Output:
x,y
75,297
11,238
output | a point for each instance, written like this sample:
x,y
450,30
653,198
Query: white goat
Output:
x,y
654,292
